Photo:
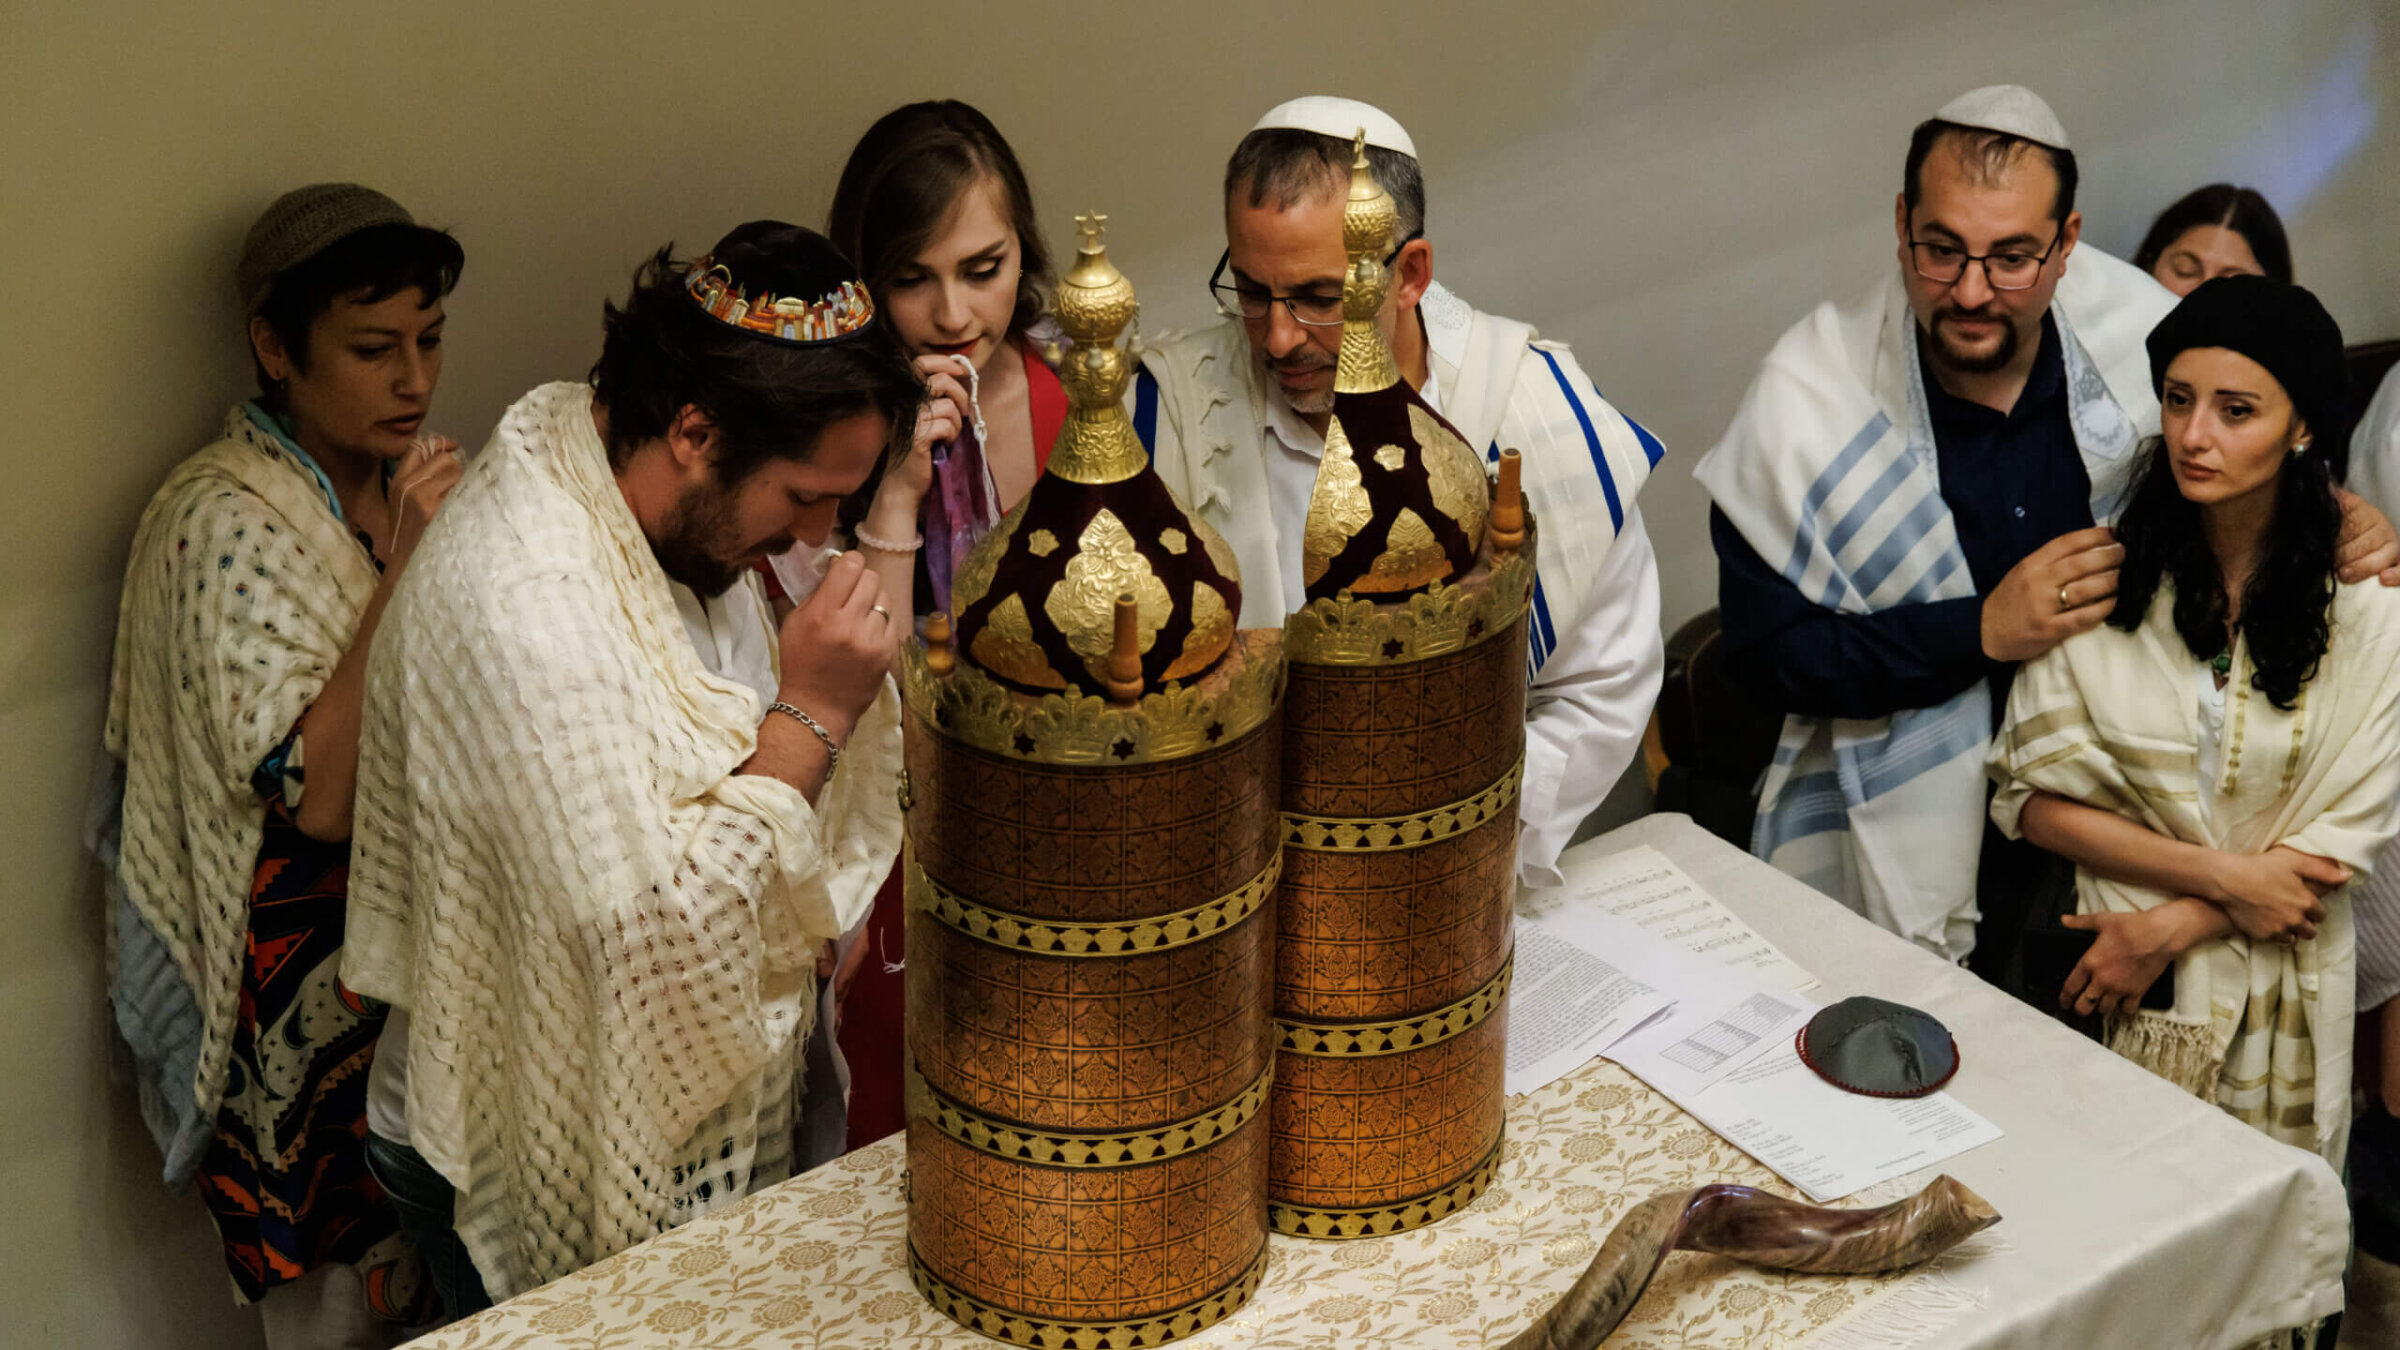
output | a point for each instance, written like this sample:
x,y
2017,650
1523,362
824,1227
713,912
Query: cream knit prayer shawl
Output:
x,y
604,935
2111,720
242,592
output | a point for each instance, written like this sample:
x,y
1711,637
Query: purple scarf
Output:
x,y
961,508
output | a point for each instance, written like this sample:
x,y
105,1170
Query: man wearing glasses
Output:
x,y
1905,509
1235,416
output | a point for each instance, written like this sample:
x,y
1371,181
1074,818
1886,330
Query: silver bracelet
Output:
x,y
833,753
867,540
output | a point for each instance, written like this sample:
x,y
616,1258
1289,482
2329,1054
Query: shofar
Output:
x,y
1764,1230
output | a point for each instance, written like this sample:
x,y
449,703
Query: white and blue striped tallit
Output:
x,y
1829,469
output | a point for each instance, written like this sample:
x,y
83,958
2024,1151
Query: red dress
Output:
x,y
874,1013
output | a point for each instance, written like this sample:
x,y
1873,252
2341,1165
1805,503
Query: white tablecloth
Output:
x,y
2133,1216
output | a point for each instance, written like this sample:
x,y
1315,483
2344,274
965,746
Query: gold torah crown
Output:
x,y
1035,599
1416,515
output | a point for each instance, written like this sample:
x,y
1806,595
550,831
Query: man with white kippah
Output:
x,y
1235,415
1905,509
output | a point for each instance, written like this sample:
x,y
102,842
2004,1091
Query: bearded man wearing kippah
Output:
x,y
1913,498
1235,416
610,815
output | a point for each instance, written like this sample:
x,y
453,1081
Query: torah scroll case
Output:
x,y
1404,743
1092,851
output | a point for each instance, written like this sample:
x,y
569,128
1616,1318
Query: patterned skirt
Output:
x,y
286,1175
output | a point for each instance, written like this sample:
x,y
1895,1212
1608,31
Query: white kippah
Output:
x,y
2010,108
1339,118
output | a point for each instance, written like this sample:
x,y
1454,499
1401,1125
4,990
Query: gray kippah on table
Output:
x,y
301,224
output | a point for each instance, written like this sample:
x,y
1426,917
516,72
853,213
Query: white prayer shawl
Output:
x,y
1829,469
605,936
1594,654
2111,720
2375,447
1502,386
242,592
2375,475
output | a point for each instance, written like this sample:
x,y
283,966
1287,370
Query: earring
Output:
x,y
2301,448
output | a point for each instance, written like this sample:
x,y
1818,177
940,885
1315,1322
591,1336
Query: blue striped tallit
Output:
x,y
1829,469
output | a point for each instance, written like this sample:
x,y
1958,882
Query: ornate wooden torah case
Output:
x,y
1089,938
1404,744
1090,885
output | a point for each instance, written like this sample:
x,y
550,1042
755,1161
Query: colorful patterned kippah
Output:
x,y
838,313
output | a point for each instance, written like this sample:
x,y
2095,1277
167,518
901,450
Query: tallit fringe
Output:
x,y
1919,1312
2180,1052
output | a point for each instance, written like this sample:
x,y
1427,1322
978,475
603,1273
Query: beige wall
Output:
x,y
1666,185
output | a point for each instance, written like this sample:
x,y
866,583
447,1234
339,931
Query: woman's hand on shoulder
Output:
x,y
2277,894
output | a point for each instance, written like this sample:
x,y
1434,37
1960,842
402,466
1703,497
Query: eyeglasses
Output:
x,y
2009,270
1237,299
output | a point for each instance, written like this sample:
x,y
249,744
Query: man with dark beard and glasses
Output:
x,y
1905,509
609,817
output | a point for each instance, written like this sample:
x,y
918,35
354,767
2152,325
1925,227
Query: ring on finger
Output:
x,y
2062,599
887,614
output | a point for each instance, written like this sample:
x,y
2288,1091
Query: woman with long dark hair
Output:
x,y
2215,231
934,209
2222,760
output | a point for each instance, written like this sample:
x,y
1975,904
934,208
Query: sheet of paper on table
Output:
x,y
1722,1045
1588,979
1646,888
1567,1003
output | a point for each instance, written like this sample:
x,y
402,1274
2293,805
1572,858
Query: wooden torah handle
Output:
x,y
1766,1230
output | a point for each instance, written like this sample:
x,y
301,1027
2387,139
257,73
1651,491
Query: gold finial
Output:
x,y
1086,573
1368,219
1095,303
1393,470
1506,529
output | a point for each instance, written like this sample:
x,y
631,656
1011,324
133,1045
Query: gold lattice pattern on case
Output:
x,y
1346,630
1385,1220
1388,834
1083,729
1092,1149
1061,937
1043,1334
1357,1040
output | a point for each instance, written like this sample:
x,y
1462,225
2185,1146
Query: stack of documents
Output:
x,y
1632,960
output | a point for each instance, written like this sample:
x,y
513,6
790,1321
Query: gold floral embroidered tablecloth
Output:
x,y
821,1261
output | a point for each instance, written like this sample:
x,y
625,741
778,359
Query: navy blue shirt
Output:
x,y
2014,481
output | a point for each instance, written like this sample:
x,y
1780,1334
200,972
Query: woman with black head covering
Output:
x,y
2222,760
